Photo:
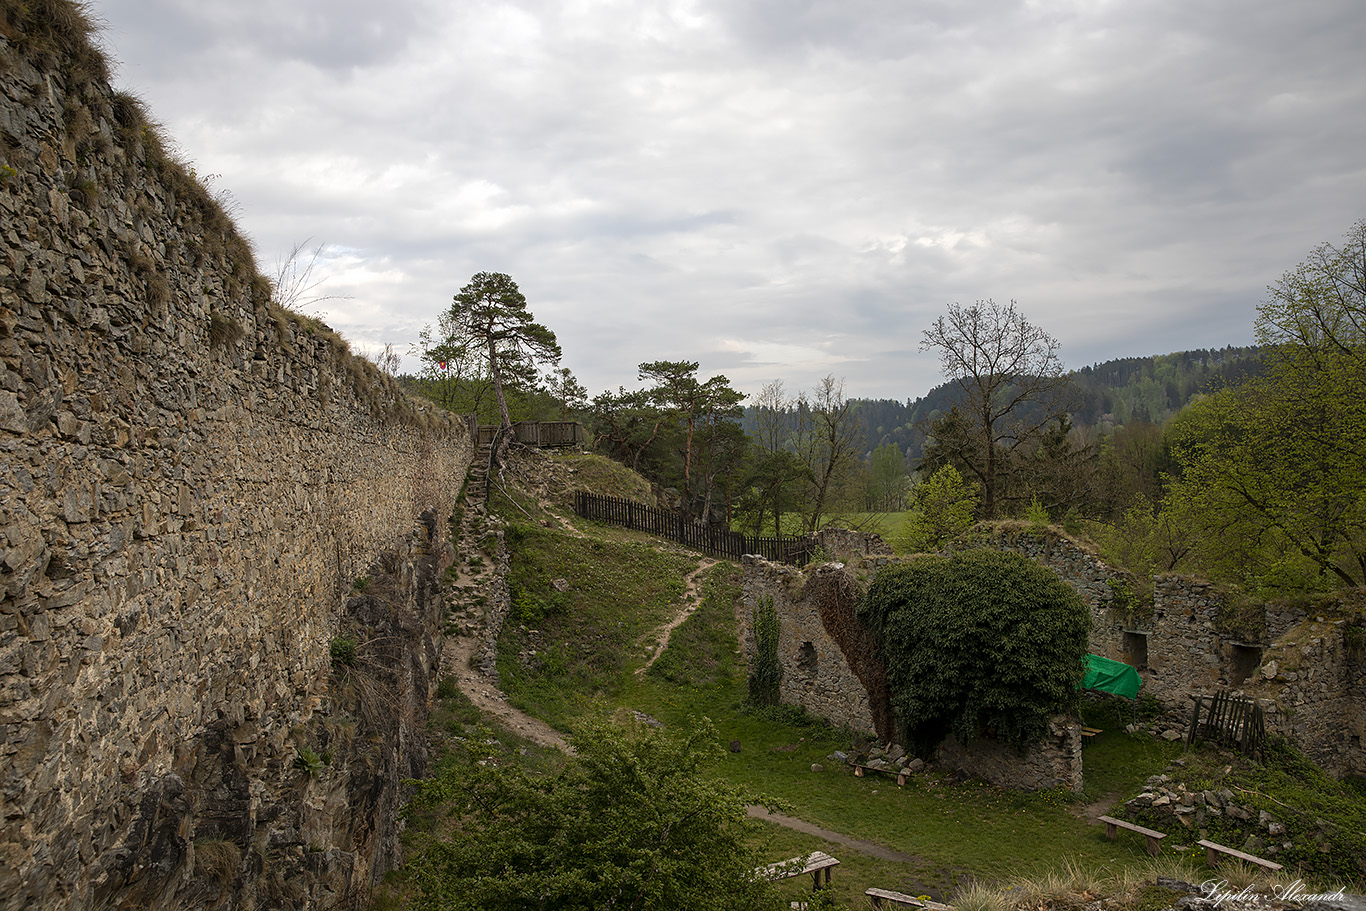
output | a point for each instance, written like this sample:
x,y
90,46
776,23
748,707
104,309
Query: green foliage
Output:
x,y
888,477
343,651
981,642
1276,469
630,822
1036,515
1324,819
310,762
942,507
767,672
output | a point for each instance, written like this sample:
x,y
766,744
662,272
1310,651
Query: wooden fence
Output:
x,y
542,434
1231,720
710,539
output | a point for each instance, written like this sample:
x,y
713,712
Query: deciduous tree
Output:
x,y
1275,470
1012,383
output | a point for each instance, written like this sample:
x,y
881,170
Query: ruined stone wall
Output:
x,y
815,674
1312,686
191,482
1054,762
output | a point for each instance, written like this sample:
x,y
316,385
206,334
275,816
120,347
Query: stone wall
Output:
x,y
191,484
1312,686
1055,762
1199,637
1195,638
815,673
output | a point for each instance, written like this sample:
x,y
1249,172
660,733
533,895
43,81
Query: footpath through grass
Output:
x,y
568,655
583,611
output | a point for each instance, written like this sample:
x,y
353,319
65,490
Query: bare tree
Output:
x,y
826,439
1013,384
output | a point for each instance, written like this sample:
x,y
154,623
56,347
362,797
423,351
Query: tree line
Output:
x,y
1244,465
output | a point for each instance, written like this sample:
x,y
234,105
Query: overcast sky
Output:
x,y
779,189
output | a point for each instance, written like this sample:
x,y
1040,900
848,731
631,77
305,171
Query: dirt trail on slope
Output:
x,y
692,600
484,693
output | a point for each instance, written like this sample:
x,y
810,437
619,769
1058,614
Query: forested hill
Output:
x,y
1112,393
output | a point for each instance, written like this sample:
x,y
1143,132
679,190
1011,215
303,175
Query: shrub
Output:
x,y
767,672
343,652
983,642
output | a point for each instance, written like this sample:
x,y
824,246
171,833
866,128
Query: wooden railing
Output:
x,y
542,434
716,541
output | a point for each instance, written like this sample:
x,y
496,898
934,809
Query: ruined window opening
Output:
x,y
806,659
1245,659
1136,648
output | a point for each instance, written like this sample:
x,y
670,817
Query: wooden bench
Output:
x,y
901,774
814,863
877,896
1088,733
1113,825
1212,852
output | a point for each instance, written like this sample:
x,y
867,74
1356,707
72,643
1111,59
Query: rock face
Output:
x,y
195,489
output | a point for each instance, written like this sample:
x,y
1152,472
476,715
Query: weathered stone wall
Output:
x,y
190,483
1200,637
1054,762
1197,638
815,674
1312,686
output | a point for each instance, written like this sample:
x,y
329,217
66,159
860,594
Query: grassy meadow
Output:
x,y
586,598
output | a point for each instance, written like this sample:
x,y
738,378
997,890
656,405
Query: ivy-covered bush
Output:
x,y
980,643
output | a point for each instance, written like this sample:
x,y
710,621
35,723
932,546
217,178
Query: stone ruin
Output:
x,y
1298,661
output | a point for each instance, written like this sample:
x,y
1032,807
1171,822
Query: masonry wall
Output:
x,y
815,673
191,482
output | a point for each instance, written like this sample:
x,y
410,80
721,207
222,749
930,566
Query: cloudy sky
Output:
x,y
779,189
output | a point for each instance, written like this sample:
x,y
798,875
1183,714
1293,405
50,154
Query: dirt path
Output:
x,y
1092,812
871,848
484,693
692,600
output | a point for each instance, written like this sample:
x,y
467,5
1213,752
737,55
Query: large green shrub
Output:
x,y
983,642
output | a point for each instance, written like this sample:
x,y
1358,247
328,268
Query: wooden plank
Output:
x,y
814,862
1212,851
877,896
1153,840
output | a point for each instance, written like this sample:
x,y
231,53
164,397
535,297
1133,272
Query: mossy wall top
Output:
x,y
190,479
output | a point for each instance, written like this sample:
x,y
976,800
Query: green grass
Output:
x,y
585,637
959,832
589,640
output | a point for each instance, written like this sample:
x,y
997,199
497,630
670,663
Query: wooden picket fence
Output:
x,y
1231,720
710,539
541,434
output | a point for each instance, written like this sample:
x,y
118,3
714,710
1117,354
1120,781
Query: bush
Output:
x,y
983,642
631,822
767,672
343,652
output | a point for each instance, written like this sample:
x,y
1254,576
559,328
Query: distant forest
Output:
x,y
1111,394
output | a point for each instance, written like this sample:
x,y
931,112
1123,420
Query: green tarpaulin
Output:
x,y
1111,677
